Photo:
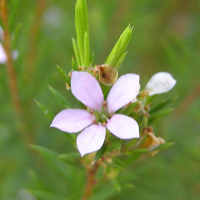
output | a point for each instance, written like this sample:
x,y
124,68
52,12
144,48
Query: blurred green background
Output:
x,y
166,37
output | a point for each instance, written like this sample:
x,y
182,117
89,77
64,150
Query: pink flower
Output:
x,y
3,57
94,122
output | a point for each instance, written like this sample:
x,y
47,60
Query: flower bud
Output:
x,y
152,142
159,83
3,57
107,74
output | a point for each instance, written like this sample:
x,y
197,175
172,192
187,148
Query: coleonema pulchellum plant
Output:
x,y
112,125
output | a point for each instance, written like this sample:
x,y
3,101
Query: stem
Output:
x,y
90,181
12,79
11,73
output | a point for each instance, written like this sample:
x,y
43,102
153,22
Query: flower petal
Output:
x,y
3,57
123,127
87,90
160,82
72,120
91,139
123,91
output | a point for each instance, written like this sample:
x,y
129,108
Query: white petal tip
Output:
x,y
160,82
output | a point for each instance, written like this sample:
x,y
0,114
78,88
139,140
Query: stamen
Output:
x,y
104,103
103,124
111,114
94,121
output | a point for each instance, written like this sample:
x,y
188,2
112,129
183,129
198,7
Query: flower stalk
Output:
x,y
91,182
9,63
12,78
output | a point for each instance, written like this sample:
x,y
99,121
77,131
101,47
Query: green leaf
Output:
x,y
82,32
100,152
116,184
163,146
115,142
14,9
44,151
79,33
70,158
76,53
84,14
86,50
127,111
74,65
59,97
71,137
140,150
159,114
149,99
64,74
115,165
44,109
104,192
118,162
117,54
161,105
36,180
51,158
2,25
91,58
120,60
135,154
15,35
132,158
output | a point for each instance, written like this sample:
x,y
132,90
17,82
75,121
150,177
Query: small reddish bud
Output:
x,y
146,108
92,112
104,104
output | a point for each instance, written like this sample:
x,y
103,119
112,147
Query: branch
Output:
x,y
12,79
91,172
10,68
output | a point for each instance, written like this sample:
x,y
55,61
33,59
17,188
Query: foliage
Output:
x,y
164,38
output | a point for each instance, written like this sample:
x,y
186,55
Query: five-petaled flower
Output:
x,y
100,114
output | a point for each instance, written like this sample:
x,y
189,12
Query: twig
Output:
x,y
90,181
11,74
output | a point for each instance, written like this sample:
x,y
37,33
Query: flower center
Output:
x,y
103,118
